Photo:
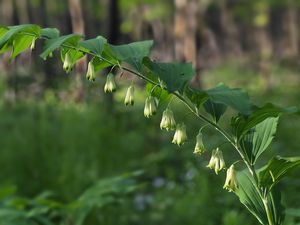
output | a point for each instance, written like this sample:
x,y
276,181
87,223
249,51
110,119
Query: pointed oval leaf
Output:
x,y
242,124
256,140
26,29
20,43
95,45
249,196
216,110
50,33
276,169
174,76
233,97
52,44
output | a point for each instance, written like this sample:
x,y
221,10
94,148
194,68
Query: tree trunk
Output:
x,y
113,34
263,42
7,12
290,30
232,45
78,27
185,30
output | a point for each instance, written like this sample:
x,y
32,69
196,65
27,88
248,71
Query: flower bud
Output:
x,y
199,148
32,46
231,182
167,121
68,63
150,106
110,85
90,74
129,98
216,162
180,136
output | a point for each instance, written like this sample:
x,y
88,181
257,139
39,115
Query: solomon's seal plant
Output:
x,y
167,121
150,108
180,136
110,85
231,180
90,74
68,65
252,127
199,147
216,161
129,97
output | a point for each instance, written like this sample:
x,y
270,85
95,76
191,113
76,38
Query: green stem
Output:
x,y
268,211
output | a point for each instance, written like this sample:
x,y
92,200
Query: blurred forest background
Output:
x,y
69,154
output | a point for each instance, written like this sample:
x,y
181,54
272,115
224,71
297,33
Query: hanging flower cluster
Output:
x,y
168,123
180,136
110,85
216,162
150,108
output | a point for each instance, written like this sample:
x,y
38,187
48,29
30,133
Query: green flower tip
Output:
x,y
167,121
151,104
180,136
32,46
90,74
68,64
199,148
231,183
110,85
129,97
216,162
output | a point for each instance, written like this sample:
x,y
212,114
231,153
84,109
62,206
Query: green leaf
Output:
x,y
249,196
196,96
52,44
174,76
95,45
3,30
50,33
133,50
26,29
233,97
74,54
256,140
132,53
20,43
277,209
100,64
276,169
157,92
216,110
242,124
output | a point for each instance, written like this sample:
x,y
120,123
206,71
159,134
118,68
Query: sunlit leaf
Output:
x,y
256,140
26,29
20,43
53,44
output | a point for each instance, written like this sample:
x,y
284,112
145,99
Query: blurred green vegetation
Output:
x,y
48,144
